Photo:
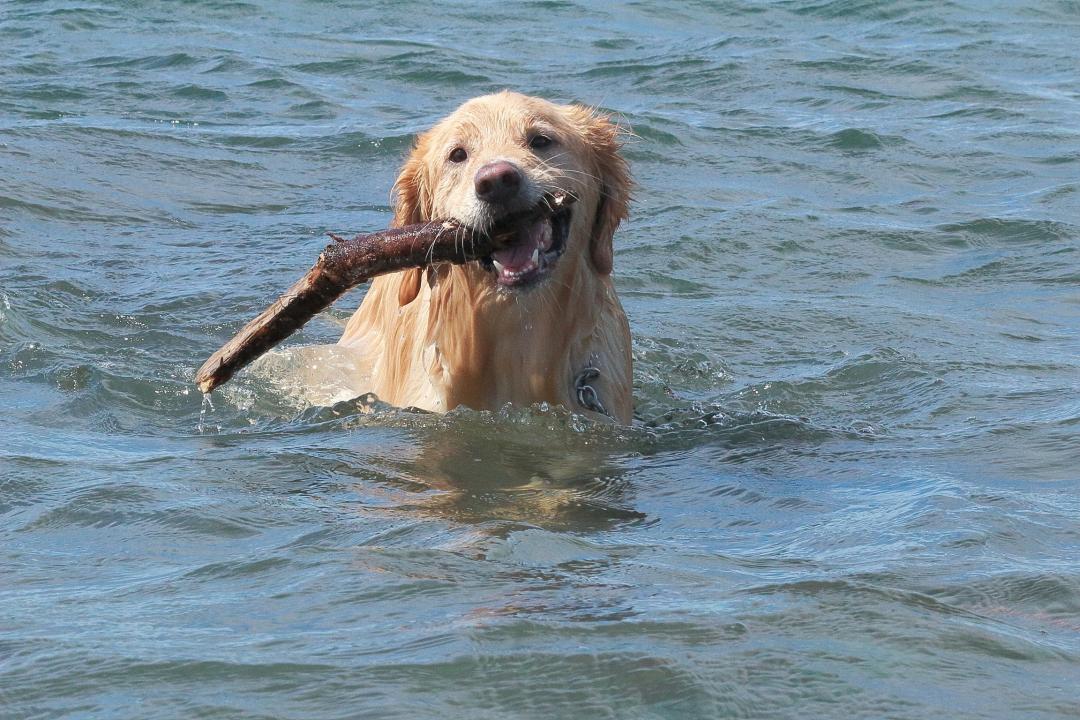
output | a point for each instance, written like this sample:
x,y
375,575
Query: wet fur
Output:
x,y
448,335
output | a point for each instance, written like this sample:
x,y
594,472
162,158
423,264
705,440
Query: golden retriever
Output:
x,y
535,322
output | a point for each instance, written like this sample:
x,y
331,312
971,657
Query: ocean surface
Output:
x,y
852,273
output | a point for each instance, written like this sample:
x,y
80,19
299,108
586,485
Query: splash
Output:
x,y
207,403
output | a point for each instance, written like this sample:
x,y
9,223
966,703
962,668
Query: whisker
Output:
x,y
598,180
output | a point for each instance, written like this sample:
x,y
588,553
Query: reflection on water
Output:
x,y
547,469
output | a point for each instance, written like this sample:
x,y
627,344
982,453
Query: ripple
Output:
x,y
854,139
861,9
147,62
992,232
1047,598
199,92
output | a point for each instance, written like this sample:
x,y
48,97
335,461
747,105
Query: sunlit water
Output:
x,y
852,276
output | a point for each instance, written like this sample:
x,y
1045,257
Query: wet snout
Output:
x,y
498,182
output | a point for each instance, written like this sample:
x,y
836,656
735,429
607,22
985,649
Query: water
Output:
x,y
852,278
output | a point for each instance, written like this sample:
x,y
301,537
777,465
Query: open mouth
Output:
x,y
531,249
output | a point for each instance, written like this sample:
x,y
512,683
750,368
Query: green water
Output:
x,y
853,280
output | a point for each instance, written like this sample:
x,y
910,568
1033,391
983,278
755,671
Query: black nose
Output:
x,y
497,182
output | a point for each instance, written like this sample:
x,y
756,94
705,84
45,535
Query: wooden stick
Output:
x,y
345,264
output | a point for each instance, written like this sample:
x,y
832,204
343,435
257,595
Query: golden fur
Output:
x,y
449,335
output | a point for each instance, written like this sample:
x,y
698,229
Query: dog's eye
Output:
x,y
458,155
539,142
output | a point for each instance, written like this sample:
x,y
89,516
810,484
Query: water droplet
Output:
x,y
206,403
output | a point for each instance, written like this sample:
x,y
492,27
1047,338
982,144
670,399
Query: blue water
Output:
x,y
853,281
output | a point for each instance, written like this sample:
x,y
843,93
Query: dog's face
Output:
x,y
507,153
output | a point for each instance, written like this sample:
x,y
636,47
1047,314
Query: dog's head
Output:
x,y
506,153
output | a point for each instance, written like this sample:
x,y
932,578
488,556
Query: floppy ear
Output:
x,y
602,137
412,204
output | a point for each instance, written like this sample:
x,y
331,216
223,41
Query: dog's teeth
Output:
x,y
498,265
536,256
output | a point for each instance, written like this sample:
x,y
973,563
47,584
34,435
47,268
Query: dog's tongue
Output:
x,y
519,256
516,257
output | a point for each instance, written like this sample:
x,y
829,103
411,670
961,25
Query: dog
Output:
x,y
537,321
